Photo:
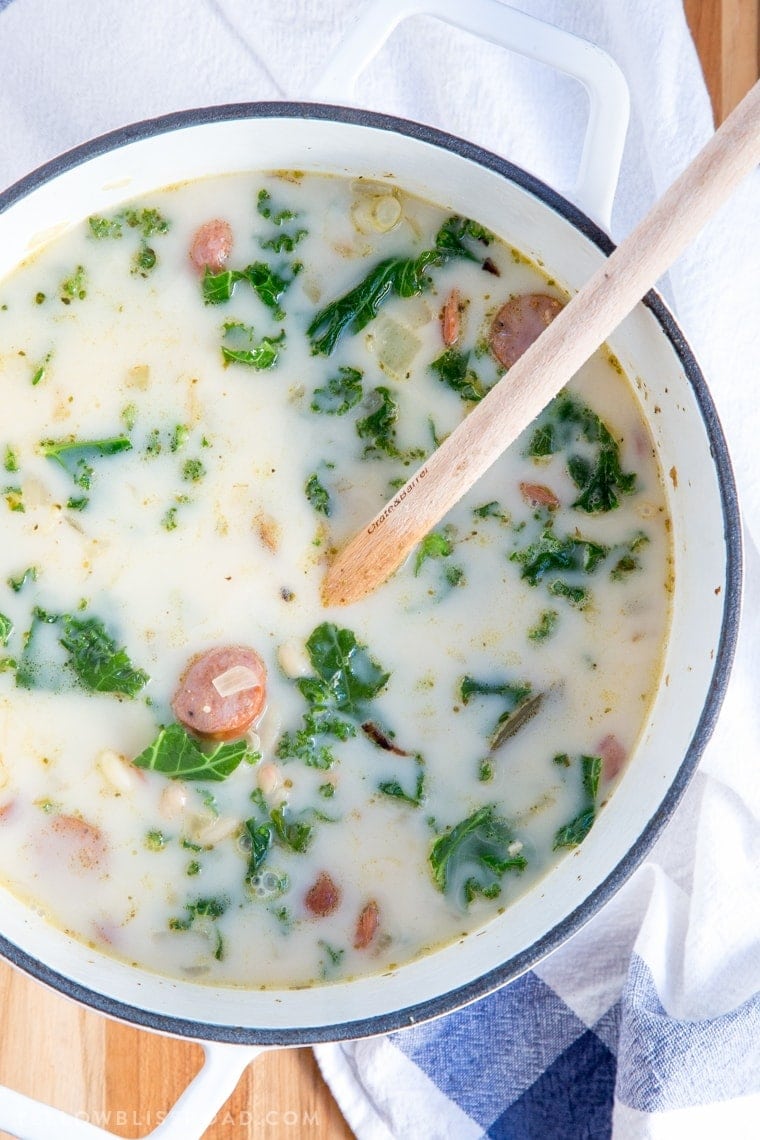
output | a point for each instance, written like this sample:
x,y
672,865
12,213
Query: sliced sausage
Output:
x,y
82,844
450,319
366,925
613,755
323,897
538,495
222,692
519,322
211,245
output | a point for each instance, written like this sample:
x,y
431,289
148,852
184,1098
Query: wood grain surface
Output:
x,y
124,1079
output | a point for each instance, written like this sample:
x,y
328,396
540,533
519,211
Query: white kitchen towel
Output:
x,y
647,1023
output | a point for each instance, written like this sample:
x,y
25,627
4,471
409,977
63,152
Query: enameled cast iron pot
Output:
x,y
95,178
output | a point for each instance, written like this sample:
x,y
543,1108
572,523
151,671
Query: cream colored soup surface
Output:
x,y
363,820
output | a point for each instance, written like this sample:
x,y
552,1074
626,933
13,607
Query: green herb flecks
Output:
x,y
471,858
14,499
452,369
317,495
147,223
176,754
73,287
342,392
395,276
544,627
574,832
10,460
240,346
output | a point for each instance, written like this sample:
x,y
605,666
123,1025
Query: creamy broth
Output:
x,y
366,820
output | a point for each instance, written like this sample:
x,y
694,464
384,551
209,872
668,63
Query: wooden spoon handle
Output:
x,y
577,331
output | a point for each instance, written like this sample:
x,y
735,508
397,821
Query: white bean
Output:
x,y
214,830
173,800
117,771
293,659
268,777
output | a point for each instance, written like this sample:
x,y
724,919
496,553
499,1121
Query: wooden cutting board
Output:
x,y
124,1079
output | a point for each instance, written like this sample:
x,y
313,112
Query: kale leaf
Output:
x,y
452,368
242,347
599,476
550,552
342,393
346,679
574,832
394,276
94,656
317,495
471,858
175,753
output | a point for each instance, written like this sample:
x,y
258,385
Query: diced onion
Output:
x,y
236,679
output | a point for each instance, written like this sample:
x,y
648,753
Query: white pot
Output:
x,y
94,179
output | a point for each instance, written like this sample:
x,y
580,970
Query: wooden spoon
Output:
x,y
583,324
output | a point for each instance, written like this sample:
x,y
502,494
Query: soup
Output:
x,y
205,772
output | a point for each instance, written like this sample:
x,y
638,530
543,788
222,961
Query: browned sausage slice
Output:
x,y
539,495
519,322
222,692
323,897
211,245
366,925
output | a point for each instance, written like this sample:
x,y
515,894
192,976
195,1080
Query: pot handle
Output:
x,y
27,1119
606,87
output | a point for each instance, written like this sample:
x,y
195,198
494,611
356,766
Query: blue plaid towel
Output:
x,y
647,1023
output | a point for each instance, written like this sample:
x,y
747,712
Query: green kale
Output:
x,y
342,393
395,276
346,678
379,427
14,499
520,705
471,858
545,626
143,260
351,674
28,575
104,228
317,495
265,208
74,287
100,666
598,476
268,285
10,463
451,368
149,221
74,456
549,553
208,909
176,753
292,833
6,629
396,790
434,545
629,562
242,348
574,832
193,470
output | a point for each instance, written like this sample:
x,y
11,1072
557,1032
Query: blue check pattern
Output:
x,y
522,1066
